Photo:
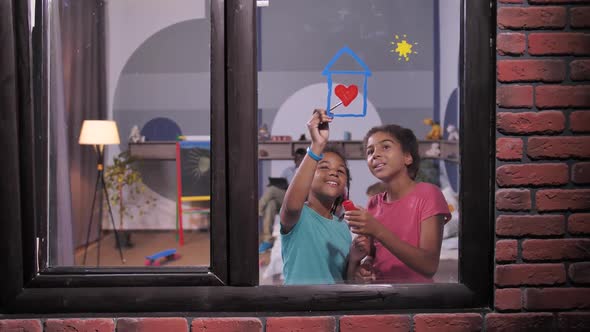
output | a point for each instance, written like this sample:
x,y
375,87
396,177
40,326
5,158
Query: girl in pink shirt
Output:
x,y
406,221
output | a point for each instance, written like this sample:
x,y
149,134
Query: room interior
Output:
x,y
153,81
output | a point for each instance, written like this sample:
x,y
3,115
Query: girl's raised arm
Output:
x,y
300,186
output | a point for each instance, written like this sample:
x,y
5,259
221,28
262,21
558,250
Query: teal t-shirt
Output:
x,y
315,251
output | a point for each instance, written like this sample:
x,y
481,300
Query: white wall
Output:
x,y
129,23
449,34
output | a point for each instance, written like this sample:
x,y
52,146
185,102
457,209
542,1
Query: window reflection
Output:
x,y
146,66
409,56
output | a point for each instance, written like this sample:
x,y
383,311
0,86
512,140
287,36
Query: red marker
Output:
x,y
348,205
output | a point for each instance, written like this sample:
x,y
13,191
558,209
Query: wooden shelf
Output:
x,y
271,150
159,150
353,150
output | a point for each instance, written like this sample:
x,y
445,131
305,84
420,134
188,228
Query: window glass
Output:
x,y
388,62
142,69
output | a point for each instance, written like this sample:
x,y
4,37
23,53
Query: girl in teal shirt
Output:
x,y
315,242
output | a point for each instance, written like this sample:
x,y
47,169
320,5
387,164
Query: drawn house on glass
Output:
x,y
348,79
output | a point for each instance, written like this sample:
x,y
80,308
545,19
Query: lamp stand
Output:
x,y
101,183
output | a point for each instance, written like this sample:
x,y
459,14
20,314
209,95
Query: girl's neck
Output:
x,y
399,187
322,207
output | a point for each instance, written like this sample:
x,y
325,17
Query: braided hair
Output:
x,y
338,201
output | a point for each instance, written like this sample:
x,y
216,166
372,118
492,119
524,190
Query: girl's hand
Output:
x,y
360,248
362,222
364,275
319,128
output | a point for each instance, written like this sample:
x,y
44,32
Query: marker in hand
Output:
x,y
333,107
348,205
367,261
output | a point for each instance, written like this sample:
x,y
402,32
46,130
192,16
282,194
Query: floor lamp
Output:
x,y
99,133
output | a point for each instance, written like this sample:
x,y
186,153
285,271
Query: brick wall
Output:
x,y
542,272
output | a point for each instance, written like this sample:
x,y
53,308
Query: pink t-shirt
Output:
x,y
403,217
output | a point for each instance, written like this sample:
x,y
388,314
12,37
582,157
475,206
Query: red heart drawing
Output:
x,y
346,94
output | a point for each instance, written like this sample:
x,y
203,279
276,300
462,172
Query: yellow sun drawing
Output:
x,y
403,48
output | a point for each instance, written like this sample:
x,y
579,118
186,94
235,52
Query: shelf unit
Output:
x,y
283,150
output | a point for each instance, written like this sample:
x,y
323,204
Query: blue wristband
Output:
x,y
314,156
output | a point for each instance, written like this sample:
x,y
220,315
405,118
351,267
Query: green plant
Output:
x,y
125,186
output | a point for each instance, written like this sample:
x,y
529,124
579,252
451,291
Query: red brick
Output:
x,y
375,323
513,199
319,324
580,17
556,249
546,122
514,96
20,325
226,324
510,43
581,173
80,325
579,223
562,147
530,70
562,96
519,322
580,70
580,273
508,299
529,274
176,324
530,225
509,148
563,199
447,322
580,121
559,43
532,175
531,17
506,251
556,298
573,321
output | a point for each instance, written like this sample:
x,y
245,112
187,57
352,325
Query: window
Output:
x,y
152,83
34,286
402,61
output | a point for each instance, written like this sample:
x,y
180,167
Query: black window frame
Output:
x,y
231,283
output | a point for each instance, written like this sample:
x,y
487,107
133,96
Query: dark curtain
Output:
x,y
78,93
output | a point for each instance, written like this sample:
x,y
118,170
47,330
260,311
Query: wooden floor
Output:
x,y
194,252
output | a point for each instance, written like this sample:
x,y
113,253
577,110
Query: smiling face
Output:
x,y
330,177
385,157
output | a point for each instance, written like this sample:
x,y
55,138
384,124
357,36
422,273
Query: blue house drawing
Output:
x,y
328,72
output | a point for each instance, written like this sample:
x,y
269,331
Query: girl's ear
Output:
x,y
408,159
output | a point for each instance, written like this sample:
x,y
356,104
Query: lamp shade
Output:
x,y
99,132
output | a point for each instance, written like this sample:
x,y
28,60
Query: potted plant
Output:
x,y
126,188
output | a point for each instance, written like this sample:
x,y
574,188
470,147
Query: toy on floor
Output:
x,y
161,257
435,132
